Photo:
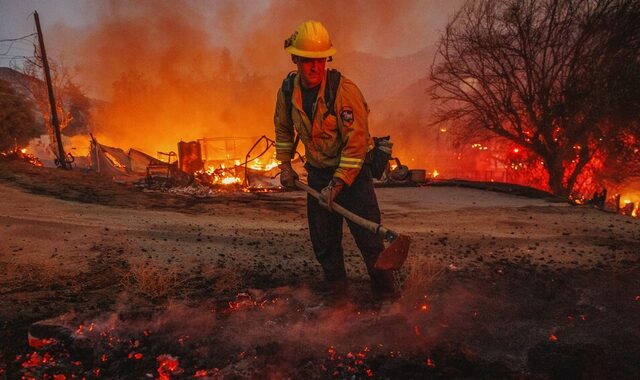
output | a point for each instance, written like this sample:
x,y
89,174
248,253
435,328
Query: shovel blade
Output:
x,y
395,254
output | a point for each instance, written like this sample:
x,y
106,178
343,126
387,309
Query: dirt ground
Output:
x,y
152,284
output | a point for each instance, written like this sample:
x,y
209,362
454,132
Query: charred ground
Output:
x,y
497,286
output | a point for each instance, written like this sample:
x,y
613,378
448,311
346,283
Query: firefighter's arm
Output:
x,y
352,114
284,130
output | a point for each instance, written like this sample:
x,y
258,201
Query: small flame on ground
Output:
x,y
430,362
553,338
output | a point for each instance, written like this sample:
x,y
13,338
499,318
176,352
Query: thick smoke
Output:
x,y
172,71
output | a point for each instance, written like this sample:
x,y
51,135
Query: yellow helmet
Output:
x,y
310,40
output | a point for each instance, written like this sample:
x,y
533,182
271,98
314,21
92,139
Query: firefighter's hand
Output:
x,y
329,193
288,176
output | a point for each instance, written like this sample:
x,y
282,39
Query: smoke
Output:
x,y
278,330
172,72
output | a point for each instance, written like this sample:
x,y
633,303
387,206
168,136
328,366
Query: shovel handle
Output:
x,y
375,228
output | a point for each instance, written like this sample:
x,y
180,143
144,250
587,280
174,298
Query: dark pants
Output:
x,y
325,228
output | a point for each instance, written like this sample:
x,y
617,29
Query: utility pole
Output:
x,y
62,162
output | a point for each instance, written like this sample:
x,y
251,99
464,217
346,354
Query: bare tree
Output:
x,y
552,76
71,103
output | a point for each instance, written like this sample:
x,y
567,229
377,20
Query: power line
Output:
x,y
19,38
12,41
15,56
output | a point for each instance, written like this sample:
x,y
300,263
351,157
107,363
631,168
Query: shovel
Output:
x,y
396,252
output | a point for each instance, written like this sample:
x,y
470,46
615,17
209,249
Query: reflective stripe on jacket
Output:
x,y
340,141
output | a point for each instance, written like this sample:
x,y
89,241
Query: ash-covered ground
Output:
x,y
116,282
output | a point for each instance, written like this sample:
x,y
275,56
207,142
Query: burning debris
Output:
x,y
21,154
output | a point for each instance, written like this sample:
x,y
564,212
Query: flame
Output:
x,y
221,175
257,165
630,206
230,180
23,150
435,173
553,338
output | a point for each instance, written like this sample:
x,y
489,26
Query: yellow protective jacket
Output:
x,y
341,141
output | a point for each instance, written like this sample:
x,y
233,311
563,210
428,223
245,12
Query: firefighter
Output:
x,y
336,140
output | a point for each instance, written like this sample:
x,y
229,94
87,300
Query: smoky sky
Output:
x,y
172,71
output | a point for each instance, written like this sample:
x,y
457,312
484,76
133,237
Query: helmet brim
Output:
x,y
311,54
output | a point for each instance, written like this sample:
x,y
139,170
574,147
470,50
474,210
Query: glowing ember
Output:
x,y
23,150
35,360
167,365
242,301
479,147
135,355
553,338
430,362
39,343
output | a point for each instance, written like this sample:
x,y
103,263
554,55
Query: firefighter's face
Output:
x,y
311,70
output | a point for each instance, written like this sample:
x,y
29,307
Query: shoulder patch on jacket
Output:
x,y
346,114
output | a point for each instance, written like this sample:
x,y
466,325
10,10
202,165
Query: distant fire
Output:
x,y
220,175
21,154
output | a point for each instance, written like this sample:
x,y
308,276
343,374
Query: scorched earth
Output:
x,y
104,280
